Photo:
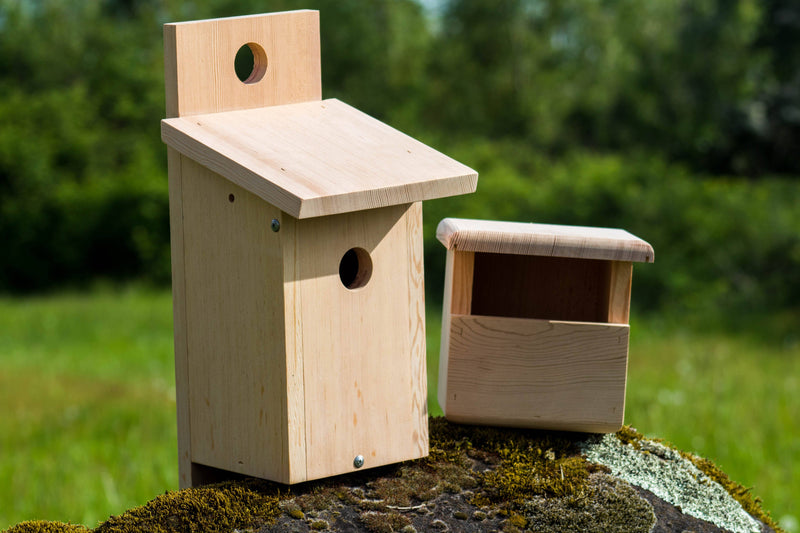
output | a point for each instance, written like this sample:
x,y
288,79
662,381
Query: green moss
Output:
x,y
608,504
530,462
319,525
43,526
384,522
223,507
629,435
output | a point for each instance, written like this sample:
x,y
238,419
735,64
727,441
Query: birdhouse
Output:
x,y
535,324
296,229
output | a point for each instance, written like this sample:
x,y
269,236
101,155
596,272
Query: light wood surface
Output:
x,y
362,350
457,300
542,239
318,158
619,291
179,319
199,62
537,373
235,328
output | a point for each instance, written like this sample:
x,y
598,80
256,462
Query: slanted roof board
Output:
x,y
318,158
580,242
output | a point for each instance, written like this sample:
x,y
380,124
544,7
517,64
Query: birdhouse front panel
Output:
x,y
358,320
296,229
535,324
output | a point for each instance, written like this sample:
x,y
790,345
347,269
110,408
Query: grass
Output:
x,y
88,425
87,395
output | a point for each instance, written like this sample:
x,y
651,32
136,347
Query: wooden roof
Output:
x,y
317,158
542,239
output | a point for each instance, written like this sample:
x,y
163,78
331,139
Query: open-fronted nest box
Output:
x,y
297,260
535,324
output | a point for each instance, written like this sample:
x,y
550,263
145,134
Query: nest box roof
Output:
x,y
317,158
542,239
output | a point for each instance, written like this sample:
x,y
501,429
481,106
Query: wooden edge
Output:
x,y
418,347
230,169
459,271
295,372
226,165
170,70
619,291
179,319
580,242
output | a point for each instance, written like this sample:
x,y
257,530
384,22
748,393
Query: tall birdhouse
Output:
x,y
535,324
297,260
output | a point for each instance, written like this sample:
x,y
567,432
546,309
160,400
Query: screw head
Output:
x,y
358,462
275,225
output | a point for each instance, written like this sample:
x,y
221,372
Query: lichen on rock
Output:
x,y
670,476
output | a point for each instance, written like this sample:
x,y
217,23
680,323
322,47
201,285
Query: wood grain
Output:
x,y
199,62
457,301
179,319
363,373
235,328
619,291
543,240
537,373
318,158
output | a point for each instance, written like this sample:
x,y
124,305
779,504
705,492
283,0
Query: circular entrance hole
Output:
x,y
355,268
250,63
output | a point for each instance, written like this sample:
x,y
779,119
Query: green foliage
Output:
x,y
83,190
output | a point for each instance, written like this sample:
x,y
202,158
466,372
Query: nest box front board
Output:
x,y
535,324
298,285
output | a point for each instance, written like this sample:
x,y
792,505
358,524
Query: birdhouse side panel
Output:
x,y
234,327
360,298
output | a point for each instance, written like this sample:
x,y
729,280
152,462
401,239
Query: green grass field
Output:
x,y
88,425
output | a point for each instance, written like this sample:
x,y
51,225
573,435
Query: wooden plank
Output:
x,y
199,62
235,320
542,239
363,375
537,373
318,158
295,373
457,300
416,328
619,291
179,319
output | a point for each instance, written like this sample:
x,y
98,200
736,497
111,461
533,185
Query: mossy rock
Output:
x,y
475,479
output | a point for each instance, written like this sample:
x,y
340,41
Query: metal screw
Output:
x,y
358,462
275,225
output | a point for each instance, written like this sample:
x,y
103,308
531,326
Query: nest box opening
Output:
x,y
355,268
549,288
250,63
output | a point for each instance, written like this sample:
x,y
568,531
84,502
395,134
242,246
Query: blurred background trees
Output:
x,y
677,120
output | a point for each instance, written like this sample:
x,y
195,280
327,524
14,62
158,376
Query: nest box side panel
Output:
x,y
234,313
458,275
199,62
179,317
360,301
537,373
